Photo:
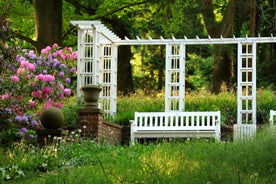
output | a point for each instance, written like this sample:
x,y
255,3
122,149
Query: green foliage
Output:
x,y
266,101
190,161
127,106
69,110
199,73
226,102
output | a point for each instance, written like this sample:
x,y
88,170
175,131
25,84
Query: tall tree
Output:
x,y
48,22
222,62
226,28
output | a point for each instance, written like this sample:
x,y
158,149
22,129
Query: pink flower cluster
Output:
x,y
14,78
45,78
41,81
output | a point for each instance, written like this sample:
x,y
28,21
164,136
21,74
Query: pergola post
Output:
x,y
175,77
108,76
246,98
97,62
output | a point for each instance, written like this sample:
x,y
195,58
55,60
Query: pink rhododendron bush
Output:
x,y
31,83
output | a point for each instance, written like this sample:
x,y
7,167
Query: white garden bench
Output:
x,y
271,117
175,124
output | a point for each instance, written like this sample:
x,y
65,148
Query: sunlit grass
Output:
x,y
175,161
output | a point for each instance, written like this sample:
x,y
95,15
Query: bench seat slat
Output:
x,y
174,134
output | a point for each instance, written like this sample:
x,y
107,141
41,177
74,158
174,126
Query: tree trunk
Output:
x,y
252,19
222,62
222,68
48,22
124,77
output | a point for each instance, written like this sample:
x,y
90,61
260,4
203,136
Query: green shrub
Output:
x,y
226,102
127,105
69,110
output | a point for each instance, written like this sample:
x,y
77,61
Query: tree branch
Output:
x,y
79,6
122,8
25,38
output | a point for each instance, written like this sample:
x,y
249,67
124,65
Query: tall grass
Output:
x,y
226,102
192,161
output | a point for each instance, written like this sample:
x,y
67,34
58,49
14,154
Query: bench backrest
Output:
x,y
176,120
271,117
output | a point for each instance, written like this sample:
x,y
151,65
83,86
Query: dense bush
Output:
x,y
29,83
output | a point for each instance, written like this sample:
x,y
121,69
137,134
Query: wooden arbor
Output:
x,y
97,63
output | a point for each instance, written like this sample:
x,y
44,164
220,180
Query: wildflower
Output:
x,y
5,96
56,63
67,91
8,110
31,136
49,78
18,118
24,63
68,80
55,45
46,90
22,131
32,103
59,105
61,74
61,86
31,54
48,104
25,118
36,94
75,55
63,65
45,78
31,66
15,78
20,70
73,70
48,48
63,57
34,123
60,95
38,62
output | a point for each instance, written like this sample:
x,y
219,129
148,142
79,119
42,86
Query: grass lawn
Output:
x,y
175,161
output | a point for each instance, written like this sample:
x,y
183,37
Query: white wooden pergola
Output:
x,y
97,63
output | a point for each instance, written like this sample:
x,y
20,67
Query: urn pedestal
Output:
x,y
91,96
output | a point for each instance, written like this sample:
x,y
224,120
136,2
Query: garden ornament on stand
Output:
x,y
91,95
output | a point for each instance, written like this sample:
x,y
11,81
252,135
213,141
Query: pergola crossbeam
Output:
x,y
196,41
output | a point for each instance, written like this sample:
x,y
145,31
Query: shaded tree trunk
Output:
x,y
236,12
124,75
222,61
161,69
48,22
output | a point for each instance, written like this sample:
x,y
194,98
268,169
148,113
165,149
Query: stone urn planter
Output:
x,y
91,95
52,120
